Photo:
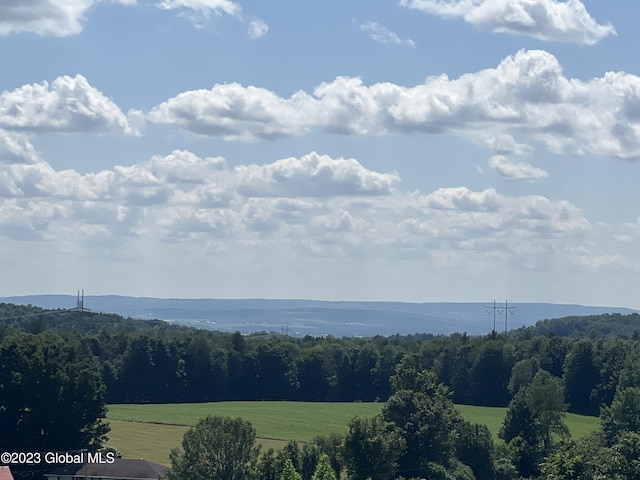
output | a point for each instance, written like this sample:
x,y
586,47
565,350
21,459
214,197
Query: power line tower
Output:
x,y
506,310
80,302
488,310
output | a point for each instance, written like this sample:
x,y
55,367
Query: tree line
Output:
x,y
156,362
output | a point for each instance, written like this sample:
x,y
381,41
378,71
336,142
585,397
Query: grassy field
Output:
x,y
492,417
151,431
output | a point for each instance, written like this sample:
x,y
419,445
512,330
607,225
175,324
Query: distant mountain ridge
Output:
x,y
316,317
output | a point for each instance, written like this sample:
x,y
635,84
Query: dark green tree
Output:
x,y
474,447
309,457
424,416
534,415
276,375
522,374
51,395
574,460
217,448
490,374
581,376
622,460
268,466
521,431
331,446
623,415
545,399
313,378
371,449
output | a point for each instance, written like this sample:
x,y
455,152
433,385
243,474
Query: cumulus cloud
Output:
x,y
68,104
382,34
257,28
16,148
461,198
516,170
234,112
525,99
460,215
552,20
313,175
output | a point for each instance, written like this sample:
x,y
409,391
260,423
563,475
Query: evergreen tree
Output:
x,y
289,471
324,471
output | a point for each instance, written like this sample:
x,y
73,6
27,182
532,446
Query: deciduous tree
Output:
x,y
623,414
371,449
424,416
217,448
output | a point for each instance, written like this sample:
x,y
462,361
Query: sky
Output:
x,y
397,150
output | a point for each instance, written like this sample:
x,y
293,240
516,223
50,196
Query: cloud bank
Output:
x,y
526,99
313,205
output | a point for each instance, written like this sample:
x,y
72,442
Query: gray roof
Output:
x,y
120,468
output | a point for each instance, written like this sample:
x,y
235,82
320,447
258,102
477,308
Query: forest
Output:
x,y
585,365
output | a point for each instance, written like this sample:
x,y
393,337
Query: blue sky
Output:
x,y
413,150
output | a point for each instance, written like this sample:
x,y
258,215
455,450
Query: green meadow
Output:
x,y
150,431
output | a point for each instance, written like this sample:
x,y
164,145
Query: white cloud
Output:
x,y
313,205
199,12
203,7
184,166
16,148
43,17
47,17
382,34
313,175
461,198
257,28
516,170
455,216
234,112
553,20
68,104
525,99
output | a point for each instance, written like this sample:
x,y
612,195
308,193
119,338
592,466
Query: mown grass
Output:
x,y
151,431
300,421
579,425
